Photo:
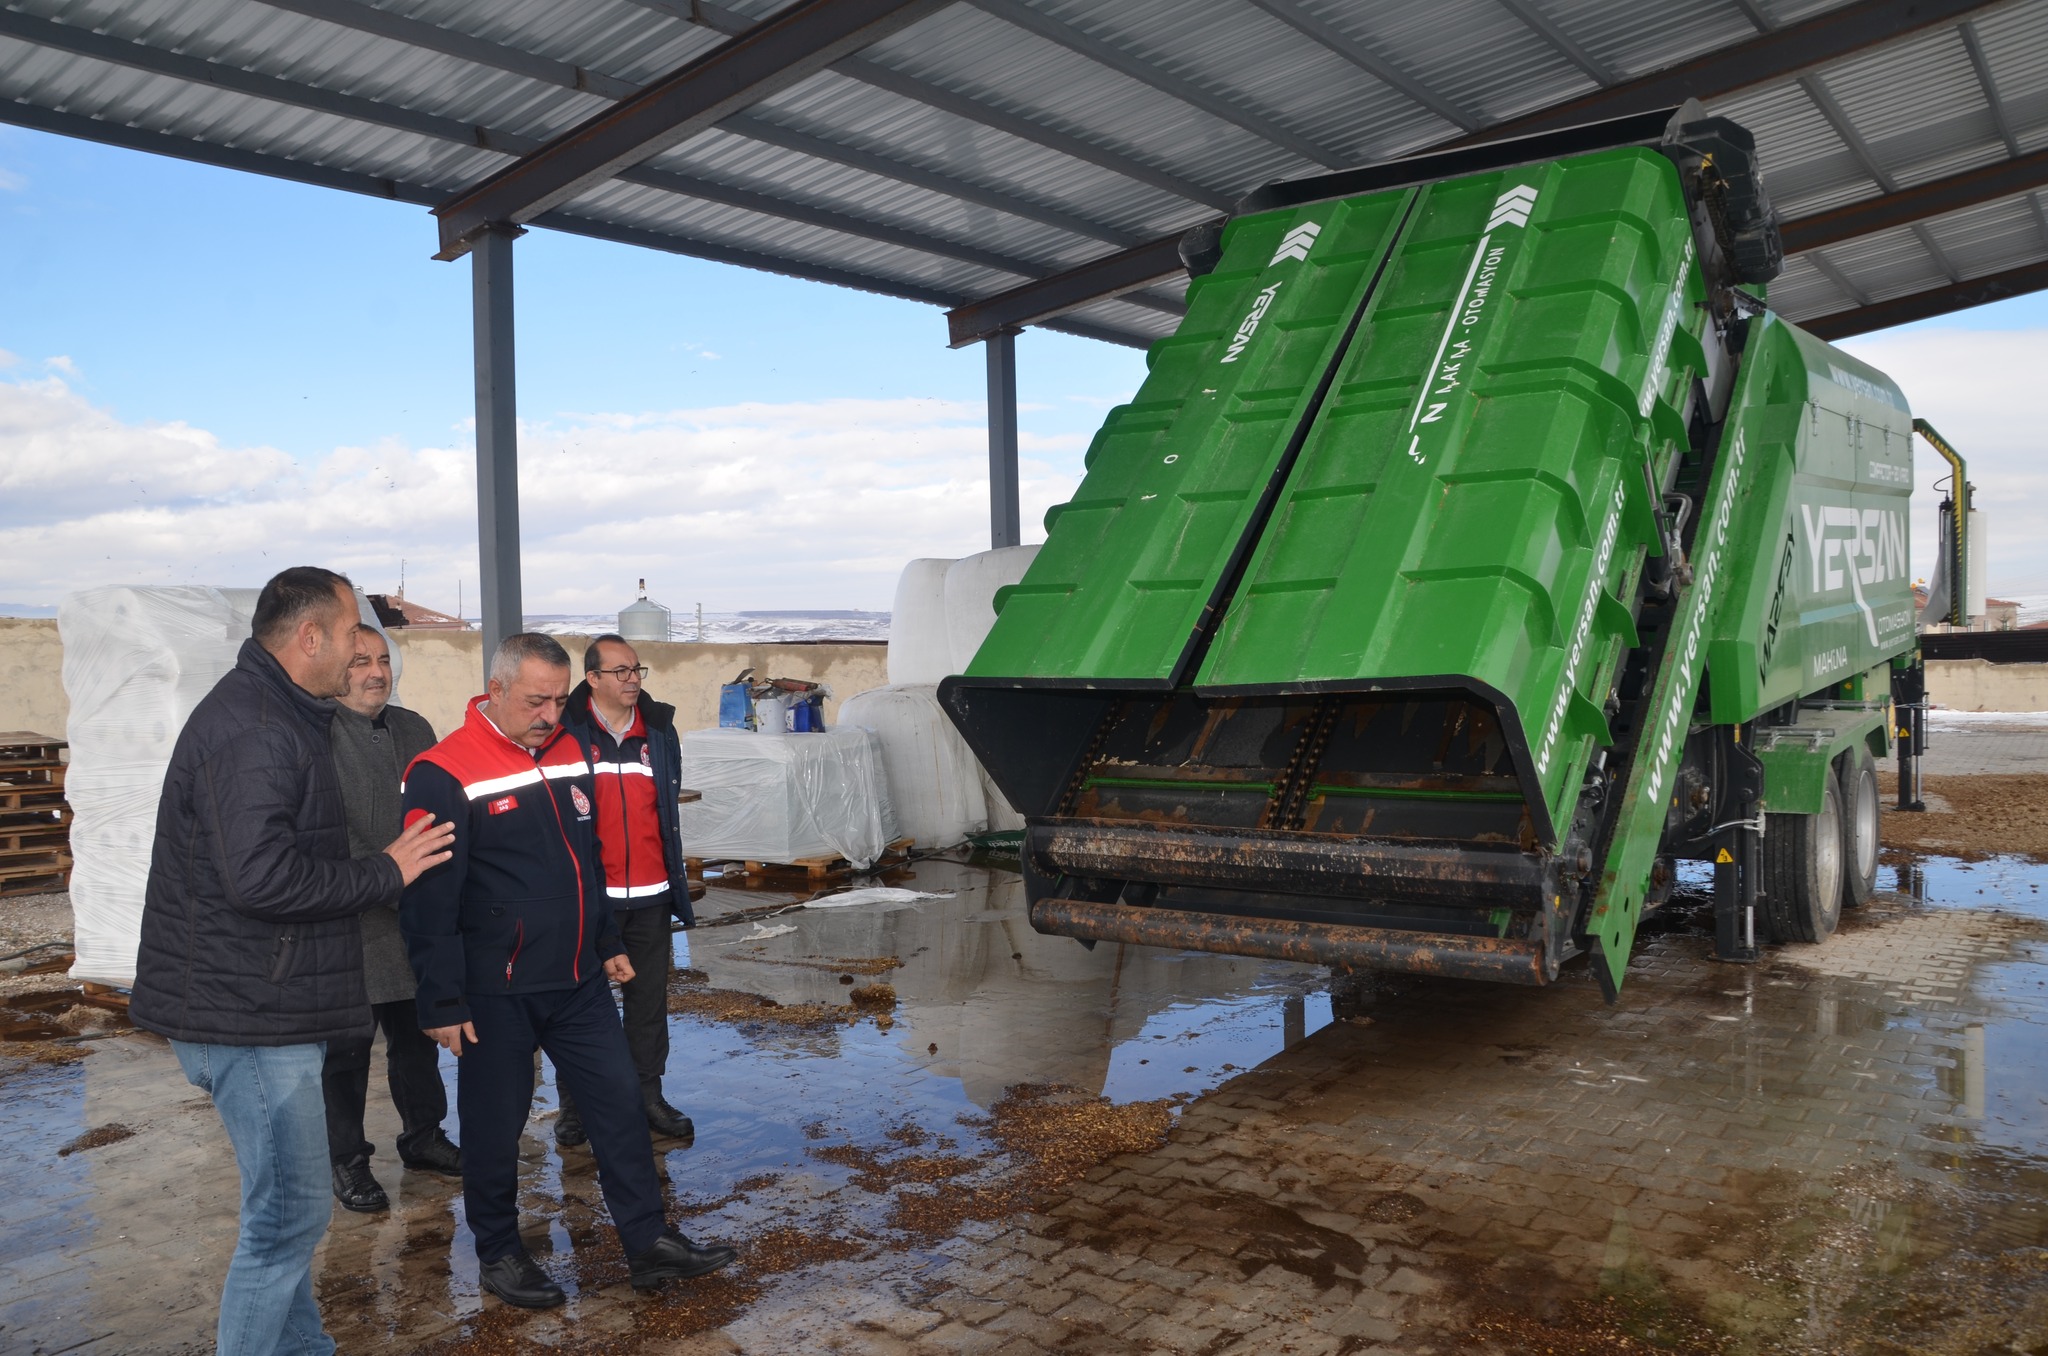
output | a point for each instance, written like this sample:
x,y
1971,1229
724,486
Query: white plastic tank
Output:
x,y
643,620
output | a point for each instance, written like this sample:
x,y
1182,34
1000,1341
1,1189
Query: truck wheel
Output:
x,y
1802,871
1859,827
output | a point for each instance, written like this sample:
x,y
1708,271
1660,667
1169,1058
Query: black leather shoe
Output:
x,y
438,1154
675,1258
569,1128
356,1189
664,1119
518,1280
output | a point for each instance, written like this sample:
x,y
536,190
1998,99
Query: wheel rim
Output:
x,y
1827,860
1863,817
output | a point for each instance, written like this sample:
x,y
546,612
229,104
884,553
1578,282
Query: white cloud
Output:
x,y
753,505
1982,390
11,182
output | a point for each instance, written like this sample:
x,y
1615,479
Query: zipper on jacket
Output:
x,y
561,827
518,945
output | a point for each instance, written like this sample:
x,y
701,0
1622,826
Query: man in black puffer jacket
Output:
x,y
251,958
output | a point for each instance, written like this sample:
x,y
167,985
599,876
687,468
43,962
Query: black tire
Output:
x,y
1802,871
1860,809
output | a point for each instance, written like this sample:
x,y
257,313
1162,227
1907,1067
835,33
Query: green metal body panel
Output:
x,y
1480,476
1133,561
1822,590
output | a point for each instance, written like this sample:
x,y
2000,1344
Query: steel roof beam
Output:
x,y
1828,269
157,61
1325,34
1037,302
1229,109
306,172
1879,315
1974,45
1919,202
1779,54
365,18
770,57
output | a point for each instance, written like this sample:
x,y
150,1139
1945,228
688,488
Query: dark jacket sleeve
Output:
x,y
250,791
430,916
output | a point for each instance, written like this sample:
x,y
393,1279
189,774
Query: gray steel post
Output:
x,y
1005,518
497,436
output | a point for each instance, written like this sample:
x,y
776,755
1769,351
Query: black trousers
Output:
x,y
650,946
579,1030
412,1068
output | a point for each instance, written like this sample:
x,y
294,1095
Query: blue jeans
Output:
x,y
269,1098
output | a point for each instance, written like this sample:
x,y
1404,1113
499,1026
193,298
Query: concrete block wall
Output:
x,y
443,669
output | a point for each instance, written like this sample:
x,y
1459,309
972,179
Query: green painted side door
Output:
x,y
1174,479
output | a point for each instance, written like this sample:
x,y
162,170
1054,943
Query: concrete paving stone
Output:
x,y
959,1338
1156,1332
1408,1281
1105,1289
966,1308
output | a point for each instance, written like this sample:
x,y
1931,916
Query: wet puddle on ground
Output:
x,y
949,1133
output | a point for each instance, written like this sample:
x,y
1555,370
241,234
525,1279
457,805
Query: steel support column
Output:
x,y
1004,517
497,436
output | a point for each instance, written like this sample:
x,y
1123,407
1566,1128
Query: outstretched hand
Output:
x,y
423,845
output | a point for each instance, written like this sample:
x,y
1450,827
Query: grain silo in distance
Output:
x,y
643,620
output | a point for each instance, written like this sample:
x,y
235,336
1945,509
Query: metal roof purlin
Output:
x,y
1780,53
871,72
1230,109
365,18
1543,27
1291,13
773,55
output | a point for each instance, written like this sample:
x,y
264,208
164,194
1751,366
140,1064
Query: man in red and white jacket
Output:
x,y
512,941
636,761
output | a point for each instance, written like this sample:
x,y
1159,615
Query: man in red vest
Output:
x,y
513,941
636,761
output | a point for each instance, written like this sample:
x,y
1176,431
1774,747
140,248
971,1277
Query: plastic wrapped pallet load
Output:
x,y
934,782
786,797
920,650
136,661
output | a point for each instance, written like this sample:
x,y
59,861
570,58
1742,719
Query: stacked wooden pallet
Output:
x,y
35,821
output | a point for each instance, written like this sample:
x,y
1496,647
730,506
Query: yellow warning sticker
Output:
x,y
1722,858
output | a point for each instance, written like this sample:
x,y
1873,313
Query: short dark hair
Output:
x,y
515,650
291,597
591,658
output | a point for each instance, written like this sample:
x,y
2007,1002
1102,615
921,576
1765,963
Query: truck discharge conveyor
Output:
x,y
1480,545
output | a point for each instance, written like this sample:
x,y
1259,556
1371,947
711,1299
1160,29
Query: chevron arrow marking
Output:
x,y
1297,243
1512,208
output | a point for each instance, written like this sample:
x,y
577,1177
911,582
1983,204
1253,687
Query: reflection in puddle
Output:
x,y
1842,1148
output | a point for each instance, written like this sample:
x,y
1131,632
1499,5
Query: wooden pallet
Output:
x,y
48,883
45,837
44,796
34,862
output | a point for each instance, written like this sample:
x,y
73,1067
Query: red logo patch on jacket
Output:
x,y
503,804
582,802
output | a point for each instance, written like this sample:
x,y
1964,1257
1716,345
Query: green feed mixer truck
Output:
x,y
1479,547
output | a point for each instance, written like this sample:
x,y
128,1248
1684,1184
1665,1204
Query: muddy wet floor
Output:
x,y
930,1129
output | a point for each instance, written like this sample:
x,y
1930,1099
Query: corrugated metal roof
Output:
x,y
999,141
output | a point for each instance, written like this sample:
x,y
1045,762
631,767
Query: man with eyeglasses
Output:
x,y
636,760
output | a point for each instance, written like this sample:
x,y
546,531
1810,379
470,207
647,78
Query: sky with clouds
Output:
x,y
205,376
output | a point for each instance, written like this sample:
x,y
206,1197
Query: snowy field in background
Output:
x,y
738,628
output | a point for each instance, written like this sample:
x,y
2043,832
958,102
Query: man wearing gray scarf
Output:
x,y
373,743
